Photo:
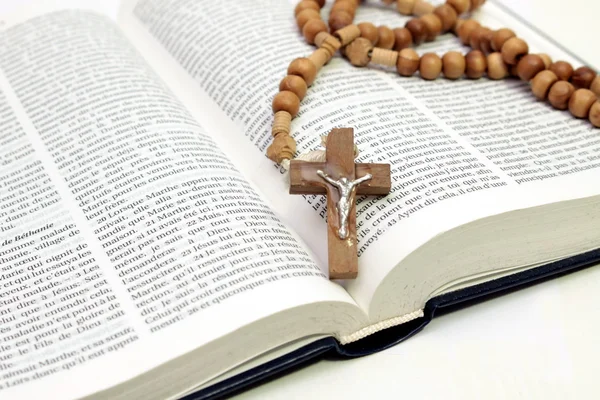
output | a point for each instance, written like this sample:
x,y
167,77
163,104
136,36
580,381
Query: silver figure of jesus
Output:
x,y
346,188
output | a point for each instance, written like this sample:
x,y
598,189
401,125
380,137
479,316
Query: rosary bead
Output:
x,y
581,101
497,68
408,62
500,37
306,4
466,29
339,20
406,7
321,3
461,6
431,66
304,68
559,94
347,34
386,38
476,64
583,77
358,52
480,39
328,42
286,101
547,60
447,15
513,49
386,57
542,82
423,8
306,15
595,114
562,69
529,66
312,28
403,38
282,148
454,64
417,29
320,57
281,123
475,4
595,86
294,84
345,6
433,26
369,31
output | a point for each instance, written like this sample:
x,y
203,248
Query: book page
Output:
x,y
123,226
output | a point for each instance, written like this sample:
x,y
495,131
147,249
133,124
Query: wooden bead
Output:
x,y
500,37
547,60
595,86
583,77
282,148
328,42
480,39
581,101
286,101
513,49
595,114
304,68
417,29
347,34
321,3
320,57
281,123
431,66
306,15
423,8
476,64
312,28
542,82
466,29
433,26
294,84
529,66
475,4
560,94
339,20
405,7
403,38
562,69
386,38
447,15
386,57
408,62
306,4
358,52
345,6
454,64
461,6
497,68
369,31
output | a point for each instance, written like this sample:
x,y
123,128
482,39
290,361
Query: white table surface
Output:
x,y
539,343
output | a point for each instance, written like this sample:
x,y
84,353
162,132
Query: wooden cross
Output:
x,y
327,178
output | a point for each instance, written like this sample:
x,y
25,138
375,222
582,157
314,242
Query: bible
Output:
x,y
149,249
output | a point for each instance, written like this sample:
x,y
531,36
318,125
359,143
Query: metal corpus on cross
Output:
x,y
340,179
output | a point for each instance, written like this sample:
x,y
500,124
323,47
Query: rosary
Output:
x,y
499,54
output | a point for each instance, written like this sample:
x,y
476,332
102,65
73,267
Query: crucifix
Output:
x,y
340,179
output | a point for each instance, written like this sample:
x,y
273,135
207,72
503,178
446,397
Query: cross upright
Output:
x,y
340,179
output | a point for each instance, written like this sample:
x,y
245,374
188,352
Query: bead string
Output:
x,y
499,54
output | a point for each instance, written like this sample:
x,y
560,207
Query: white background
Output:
x,y
542,342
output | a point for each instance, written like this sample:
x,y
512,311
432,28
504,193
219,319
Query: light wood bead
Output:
x,y
417,29
345,6
513,50
581,101
466,29
347,34
500,37
476,64
547,60
431,66
402,38
454,64
294,84
306,15
312,28
447,15
358,52
303,68
386,38
405,7
369,31
386,57
529,66
560,94
542,82
282,148
583,77
286,101
408,62
480,39
306,4
328,42
339,20
423,8
457,25
595,86
461,6
497,68
281,123
433,26
562,69
595,114
320,57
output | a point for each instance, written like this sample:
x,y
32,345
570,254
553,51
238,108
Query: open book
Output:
x,y
149,249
